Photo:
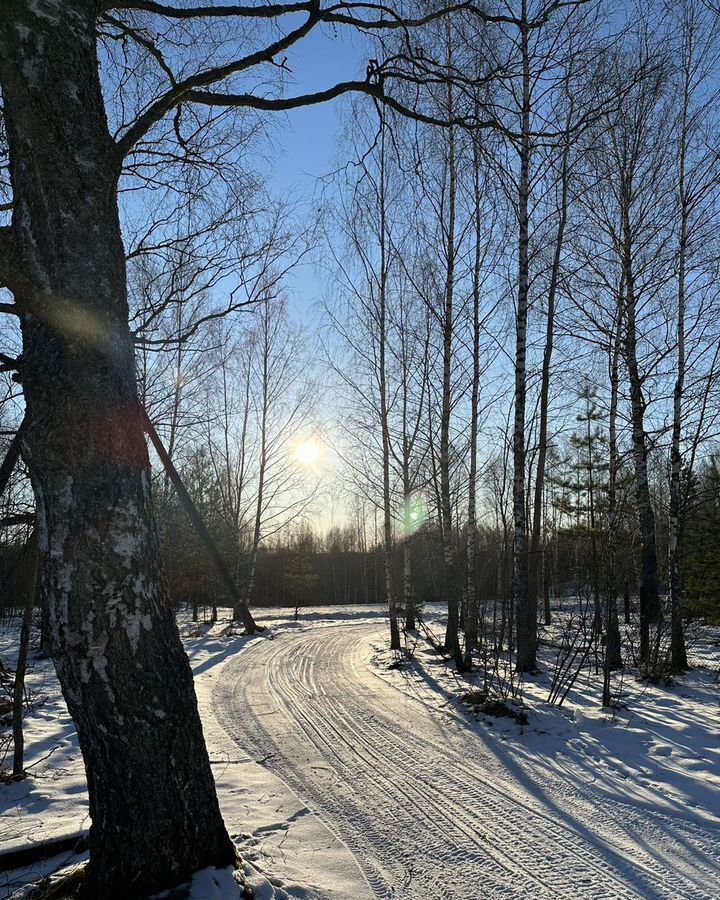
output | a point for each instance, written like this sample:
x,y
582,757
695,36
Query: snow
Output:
x,y
213,884
658,749
341,778
287,851
53,802
210,884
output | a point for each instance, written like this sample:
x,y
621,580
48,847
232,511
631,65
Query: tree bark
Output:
x,y
408,592
678,652
613,657
537,552
114,641
471,615
257,527
410,433
384,412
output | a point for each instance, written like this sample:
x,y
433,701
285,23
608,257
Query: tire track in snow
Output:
x,y
429,811
688,848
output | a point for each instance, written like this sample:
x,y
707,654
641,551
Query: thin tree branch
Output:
x,y
178,93
339,14
11,456
143,42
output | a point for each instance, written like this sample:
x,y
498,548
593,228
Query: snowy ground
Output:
x,y
341,778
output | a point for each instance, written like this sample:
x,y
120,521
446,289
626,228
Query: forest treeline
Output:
x,y
344,565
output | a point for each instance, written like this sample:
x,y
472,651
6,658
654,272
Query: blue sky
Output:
x,y
306,139
323,58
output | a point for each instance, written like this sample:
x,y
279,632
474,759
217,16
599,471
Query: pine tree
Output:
x,y
701,545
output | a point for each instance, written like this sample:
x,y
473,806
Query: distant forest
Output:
x,y
345,565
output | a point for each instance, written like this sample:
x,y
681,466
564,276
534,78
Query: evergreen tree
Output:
x,y
702,544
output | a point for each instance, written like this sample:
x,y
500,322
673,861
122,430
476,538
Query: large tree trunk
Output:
x,y
121,665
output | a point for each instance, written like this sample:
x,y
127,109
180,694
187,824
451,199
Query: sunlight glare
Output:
x,y
308,452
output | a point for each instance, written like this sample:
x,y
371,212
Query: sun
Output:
x,y
308,452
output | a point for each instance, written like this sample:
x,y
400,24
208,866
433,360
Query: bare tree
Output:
x,y
613,657
450,562
369,278
537,561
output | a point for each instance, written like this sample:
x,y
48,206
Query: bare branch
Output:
x,y
178,93
143,42
266,11
343,13
371,89
338,14
8,363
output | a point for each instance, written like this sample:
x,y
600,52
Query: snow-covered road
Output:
x,y
430,805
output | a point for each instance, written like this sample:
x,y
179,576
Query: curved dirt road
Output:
x,y
432,808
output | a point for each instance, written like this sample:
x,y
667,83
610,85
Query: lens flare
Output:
x,y
414,514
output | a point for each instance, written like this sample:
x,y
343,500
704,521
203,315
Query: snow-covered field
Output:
x,y
340,777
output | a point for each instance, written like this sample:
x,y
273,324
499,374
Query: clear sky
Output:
x,y
306,138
